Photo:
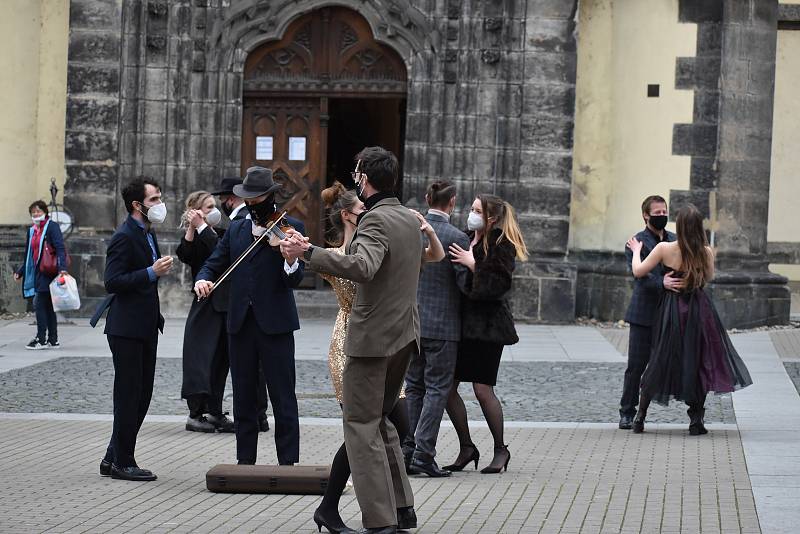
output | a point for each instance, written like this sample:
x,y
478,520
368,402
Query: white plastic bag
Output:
x,y
65,296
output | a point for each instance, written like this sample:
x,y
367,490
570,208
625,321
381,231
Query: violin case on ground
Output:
x,y
284,479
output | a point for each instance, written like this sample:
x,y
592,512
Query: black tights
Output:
x,y
492,412
340,467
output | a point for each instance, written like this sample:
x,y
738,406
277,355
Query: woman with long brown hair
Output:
x,y
692,354
487,324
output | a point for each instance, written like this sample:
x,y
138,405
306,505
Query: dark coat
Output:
x,y
133,306
485,309
258,282
54,237
647,291
195,253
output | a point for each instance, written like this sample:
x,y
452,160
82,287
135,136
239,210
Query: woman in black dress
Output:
x,y
692,354
205,339
487,324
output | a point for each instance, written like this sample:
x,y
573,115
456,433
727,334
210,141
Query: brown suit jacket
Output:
x,y
384,259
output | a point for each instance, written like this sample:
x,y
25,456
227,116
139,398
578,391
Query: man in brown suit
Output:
x,y
384,258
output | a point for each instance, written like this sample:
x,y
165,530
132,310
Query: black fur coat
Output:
x,y
485,311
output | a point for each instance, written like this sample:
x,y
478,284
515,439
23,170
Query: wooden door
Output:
x,y
285,135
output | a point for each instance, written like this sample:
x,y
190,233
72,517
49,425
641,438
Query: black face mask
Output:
x,y
260,212
226,209
659,222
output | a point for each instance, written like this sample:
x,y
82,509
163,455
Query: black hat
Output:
x,y
226,186
258,181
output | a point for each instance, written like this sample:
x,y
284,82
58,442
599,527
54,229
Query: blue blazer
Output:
x,y
647,291
259,281
54,237
133,306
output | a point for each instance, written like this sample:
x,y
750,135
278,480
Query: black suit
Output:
x,y
262,331
647,292
132,326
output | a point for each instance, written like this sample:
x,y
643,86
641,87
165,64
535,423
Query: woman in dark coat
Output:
x,y
487,324
35,283
205,339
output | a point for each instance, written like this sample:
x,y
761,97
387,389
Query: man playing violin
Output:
x,y
261,325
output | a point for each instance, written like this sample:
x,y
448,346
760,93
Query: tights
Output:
x,y
492,412
340,467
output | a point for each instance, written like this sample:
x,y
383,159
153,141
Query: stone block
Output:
x,y
545,132
154,148
525,298
550,67
508,132
700,10
679,199
155,116
155,85
557,300
558,9
464,163
92,114
535,199
98,177
449,122
702,173
94,47
128,148
706,107
90,146
484,165
545,167
550,35
709,39
93,14
92,209
545,234
486,131
548,99
100,80
694,139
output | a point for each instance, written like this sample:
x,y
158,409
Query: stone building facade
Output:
x,y
476,91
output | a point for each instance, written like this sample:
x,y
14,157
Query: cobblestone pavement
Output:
x,y
535,391
559,481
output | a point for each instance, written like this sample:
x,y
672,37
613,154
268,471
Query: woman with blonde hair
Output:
x,y
487,324
205,339
692,354
344,208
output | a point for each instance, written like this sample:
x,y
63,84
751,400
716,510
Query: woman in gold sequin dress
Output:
x,y
343,209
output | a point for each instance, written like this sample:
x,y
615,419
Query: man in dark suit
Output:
x,y
236,210
263,330
430,374
644,302
133,267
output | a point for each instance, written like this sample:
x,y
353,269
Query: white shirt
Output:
x,y
236,210
439,212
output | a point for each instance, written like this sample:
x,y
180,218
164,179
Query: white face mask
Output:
x,y
213,217
157,214
475,221
38,219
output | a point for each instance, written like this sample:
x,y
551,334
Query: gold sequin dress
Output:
x,y
345,291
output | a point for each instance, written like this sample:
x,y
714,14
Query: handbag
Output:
x,y
48,262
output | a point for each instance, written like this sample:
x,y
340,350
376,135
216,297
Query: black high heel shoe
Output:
x,y
490,469
641,415
336,526
474,457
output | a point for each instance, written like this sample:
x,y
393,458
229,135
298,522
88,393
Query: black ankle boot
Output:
x,y
697,426
641,415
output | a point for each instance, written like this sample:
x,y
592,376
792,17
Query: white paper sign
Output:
x,y
264,148
297,148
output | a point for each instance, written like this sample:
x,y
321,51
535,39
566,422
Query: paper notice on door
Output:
x,y
297,148
263,148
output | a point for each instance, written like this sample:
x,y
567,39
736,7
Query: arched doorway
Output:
x,y
313,99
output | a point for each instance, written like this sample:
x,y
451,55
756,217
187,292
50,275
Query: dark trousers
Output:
x,y
428,383
275,352
262,402
46,320
639,345
218,374
134,370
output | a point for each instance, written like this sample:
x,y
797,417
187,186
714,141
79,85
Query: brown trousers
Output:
x,y
370,389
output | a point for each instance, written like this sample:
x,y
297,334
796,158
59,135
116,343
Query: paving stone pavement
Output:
x,y
559,481
529,391
793,370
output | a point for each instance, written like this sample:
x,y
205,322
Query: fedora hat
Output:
x,y
226,186
258,181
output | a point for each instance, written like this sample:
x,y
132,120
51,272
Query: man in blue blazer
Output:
x,y
263,329
133,267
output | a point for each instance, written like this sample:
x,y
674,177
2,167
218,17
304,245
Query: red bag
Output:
x,y
48,263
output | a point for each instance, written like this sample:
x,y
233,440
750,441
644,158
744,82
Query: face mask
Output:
x,y
260,212
213,217
226,208
38,219
360,189
156,214
659,222
475,221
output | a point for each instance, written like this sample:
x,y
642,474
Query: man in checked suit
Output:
x,y
641,312
384,258
430,375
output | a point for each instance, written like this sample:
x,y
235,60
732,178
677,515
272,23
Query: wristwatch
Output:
x,y
307,253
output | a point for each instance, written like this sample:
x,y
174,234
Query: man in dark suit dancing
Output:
x,y
133,267
430,374
641,312
263,330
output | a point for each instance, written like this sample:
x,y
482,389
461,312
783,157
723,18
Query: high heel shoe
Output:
x,y
493,469
474,457
336,526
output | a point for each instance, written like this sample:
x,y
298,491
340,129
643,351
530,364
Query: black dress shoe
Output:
x,y
199,424
421,467
625,422
220,422
263,423
105,468
131,473
333,524
379,530
407,517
